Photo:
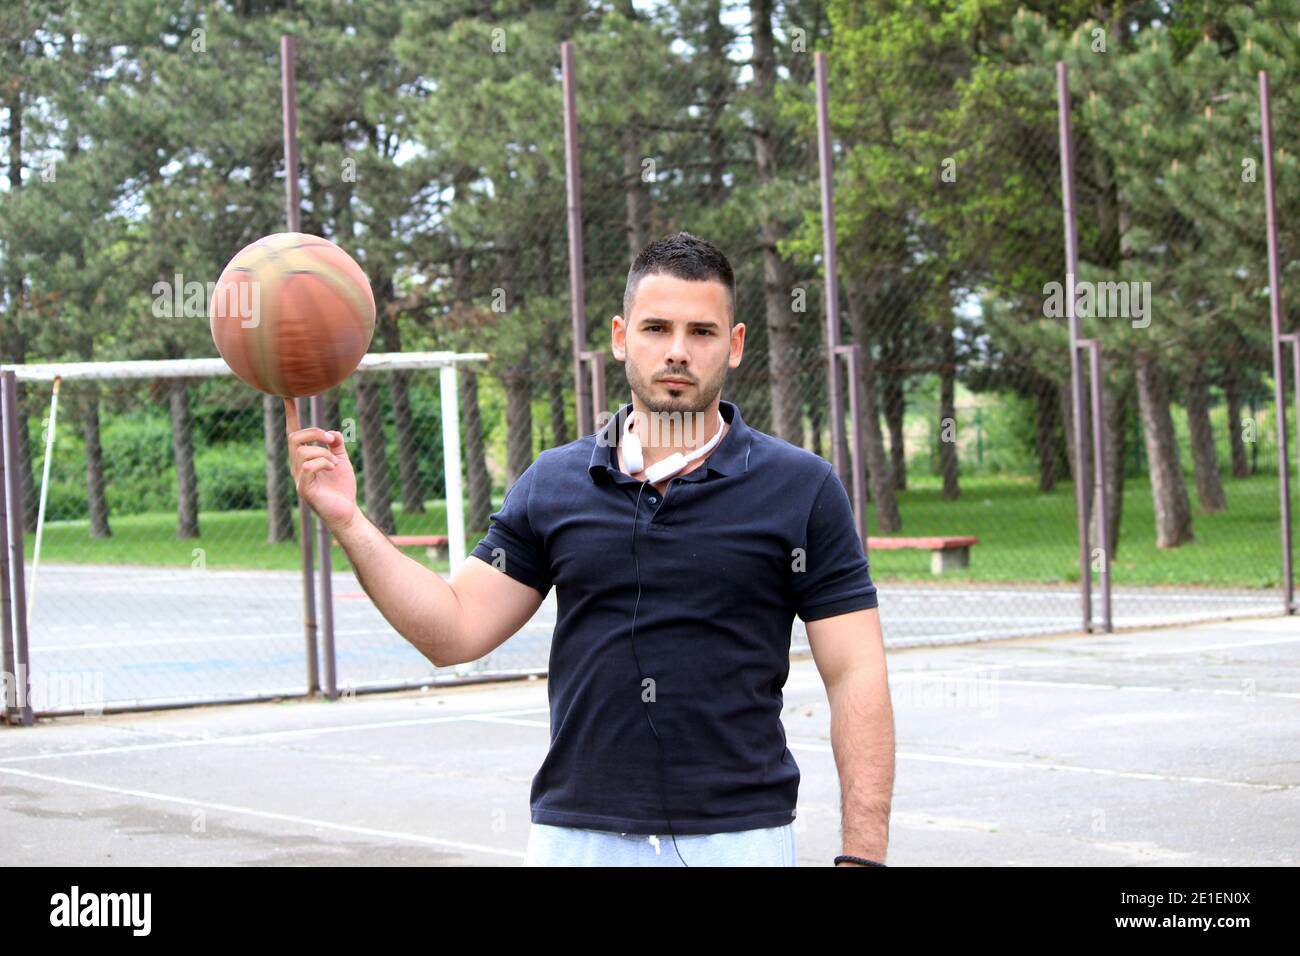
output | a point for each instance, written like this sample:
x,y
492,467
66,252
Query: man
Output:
x,y
677,580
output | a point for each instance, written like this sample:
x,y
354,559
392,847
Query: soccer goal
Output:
x,y
156,553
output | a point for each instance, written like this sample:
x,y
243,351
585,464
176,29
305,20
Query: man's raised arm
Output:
x,y
449,623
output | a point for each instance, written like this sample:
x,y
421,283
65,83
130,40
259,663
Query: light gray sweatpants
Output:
x,y
573,846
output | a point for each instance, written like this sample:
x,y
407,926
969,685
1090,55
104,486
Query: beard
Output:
x,y
659,396
676,414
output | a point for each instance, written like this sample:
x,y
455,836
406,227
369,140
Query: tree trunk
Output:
x,y
948,412
519,422
1232,391
280,494
26,459
477,479
556,368
1205,458
408,448
816,422
895,401
715,95
1047,442
95,496
556,360
187,484
1172,508
13,343
26,473
634,194
880,474
1115,402
408,443
374,454
782,323
473,440
1066,403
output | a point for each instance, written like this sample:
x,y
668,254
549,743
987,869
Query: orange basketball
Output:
x,y
292,314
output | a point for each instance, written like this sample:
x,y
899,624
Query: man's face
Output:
x,y
676,345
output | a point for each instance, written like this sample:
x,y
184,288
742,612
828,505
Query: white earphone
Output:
x,y
635,460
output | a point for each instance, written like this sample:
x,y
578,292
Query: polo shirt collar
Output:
x,y
729,457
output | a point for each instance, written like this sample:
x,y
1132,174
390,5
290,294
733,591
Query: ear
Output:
x,y
618,337
737,346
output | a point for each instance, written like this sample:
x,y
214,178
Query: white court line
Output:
x,y
266,735
515,721
270,815
1023,765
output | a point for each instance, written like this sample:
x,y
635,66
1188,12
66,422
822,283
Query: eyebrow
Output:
x,y
695,323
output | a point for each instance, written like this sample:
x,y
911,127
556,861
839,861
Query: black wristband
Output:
x,y
857,859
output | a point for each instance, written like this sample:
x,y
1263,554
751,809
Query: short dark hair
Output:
x,y
685,257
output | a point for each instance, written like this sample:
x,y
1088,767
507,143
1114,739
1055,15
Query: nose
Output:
x,y
677,358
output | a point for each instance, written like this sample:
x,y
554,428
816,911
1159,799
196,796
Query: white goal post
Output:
x,y
143,370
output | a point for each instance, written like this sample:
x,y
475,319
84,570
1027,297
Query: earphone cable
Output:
x,y
663,799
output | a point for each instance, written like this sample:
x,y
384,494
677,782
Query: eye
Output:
x,y
705,331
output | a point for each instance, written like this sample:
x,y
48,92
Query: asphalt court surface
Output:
x,y
1172,746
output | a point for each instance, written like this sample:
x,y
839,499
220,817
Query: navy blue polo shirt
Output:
x,y
728,555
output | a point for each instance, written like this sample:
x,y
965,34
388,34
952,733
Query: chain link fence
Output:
x,y
164,570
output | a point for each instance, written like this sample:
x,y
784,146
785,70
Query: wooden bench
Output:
x,y
435,545
946,553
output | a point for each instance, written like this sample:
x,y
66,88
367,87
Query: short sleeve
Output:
x,y
835,577
512,544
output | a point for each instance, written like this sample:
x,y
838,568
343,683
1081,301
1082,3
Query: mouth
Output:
x,y
674,381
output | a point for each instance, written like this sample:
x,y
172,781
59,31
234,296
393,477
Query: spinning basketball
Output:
x,y
292,314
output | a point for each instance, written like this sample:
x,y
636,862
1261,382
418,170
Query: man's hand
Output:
x,y
322,473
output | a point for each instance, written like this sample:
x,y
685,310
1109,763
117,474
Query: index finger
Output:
x,y
291,416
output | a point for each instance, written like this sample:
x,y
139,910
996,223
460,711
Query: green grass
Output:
x,y
1024,537
230,540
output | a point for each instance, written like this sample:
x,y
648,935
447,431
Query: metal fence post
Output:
x,y
1076,371
831,288
853,356
20,672
597,360
326,630
1275,319
1099,477
573,197
8,706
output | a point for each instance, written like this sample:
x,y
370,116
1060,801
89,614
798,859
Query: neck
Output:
x,y
667,433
